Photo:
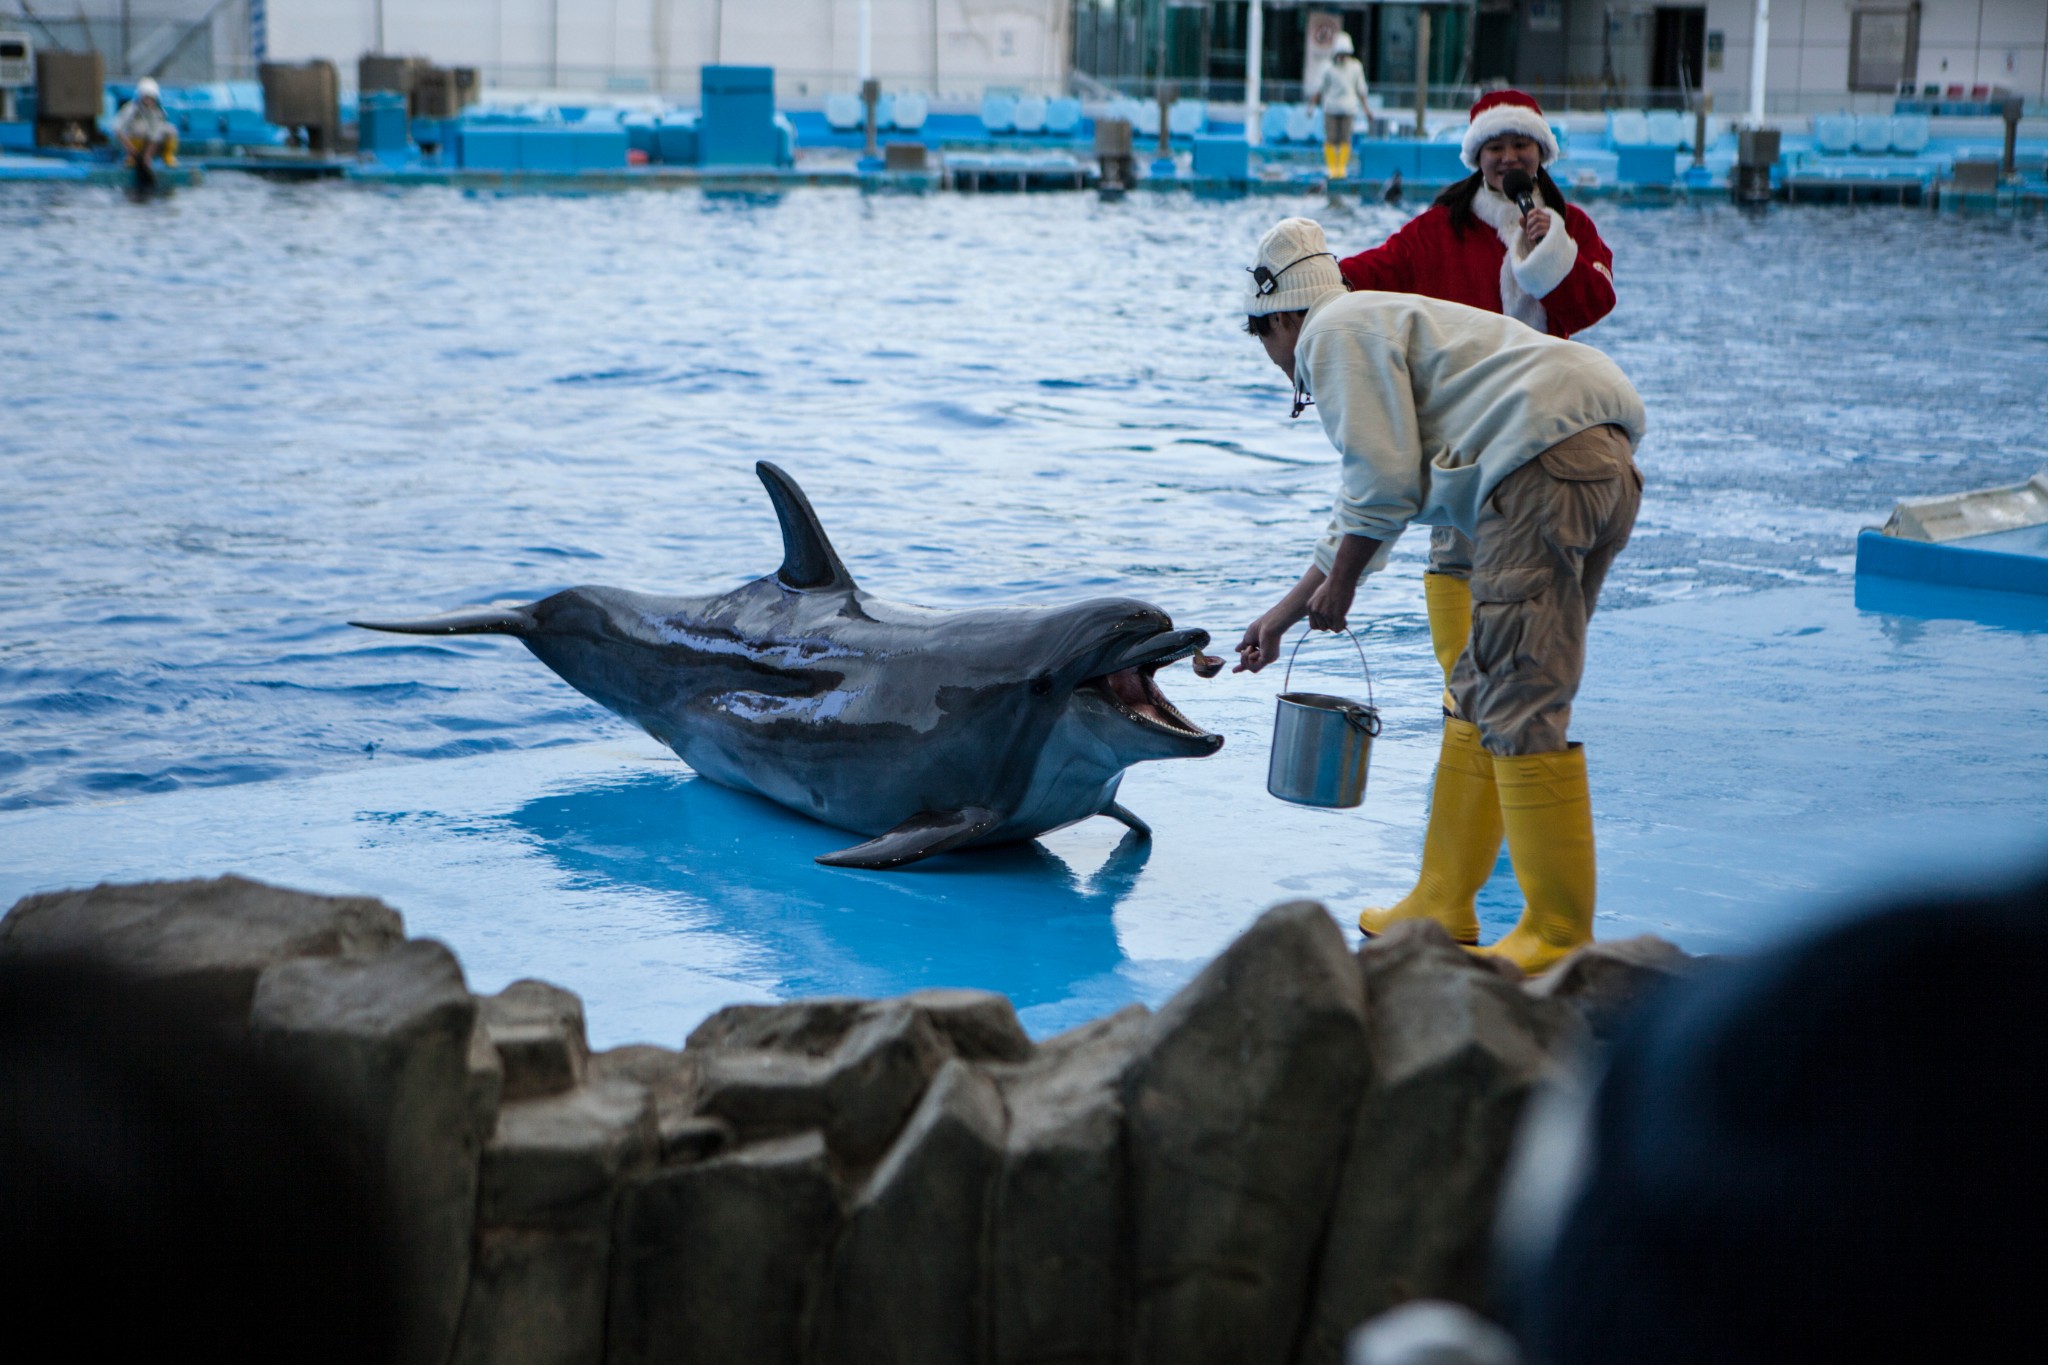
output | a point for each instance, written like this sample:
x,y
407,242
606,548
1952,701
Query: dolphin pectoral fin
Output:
x,y
1128,820
808,560
921,836
483,621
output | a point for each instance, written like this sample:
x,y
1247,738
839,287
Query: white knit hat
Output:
x,y
1294,268
1499,113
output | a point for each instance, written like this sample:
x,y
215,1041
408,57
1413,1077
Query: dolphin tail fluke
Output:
x,y
808,559
921,836
482,621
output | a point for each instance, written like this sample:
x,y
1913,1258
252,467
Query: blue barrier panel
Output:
x,y
1438,163
1645,165
572,149
675,144
1222,158
1953,564
1379,158
738,126
382,126
487,149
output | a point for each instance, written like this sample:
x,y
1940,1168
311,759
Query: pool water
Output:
x,y
244,414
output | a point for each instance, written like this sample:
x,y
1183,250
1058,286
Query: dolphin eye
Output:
x,y
1041,686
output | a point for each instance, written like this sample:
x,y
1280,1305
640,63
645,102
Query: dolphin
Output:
x,y
927,730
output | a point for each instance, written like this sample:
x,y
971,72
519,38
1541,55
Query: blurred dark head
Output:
x,y
164,1188
1832,1151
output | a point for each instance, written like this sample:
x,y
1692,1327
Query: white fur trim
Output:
x,y
1501,120
1549,261
1500,213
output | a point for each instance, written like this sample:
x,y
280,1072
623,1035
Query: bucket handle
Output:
x,y
1370,723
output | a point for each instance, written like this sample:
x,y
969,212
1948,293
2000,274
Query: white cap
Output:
x,y
1342,47
146,89
1293,269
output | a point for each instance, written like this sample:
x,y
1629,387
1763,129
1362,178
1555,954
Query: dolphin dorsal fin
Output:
x,y
808,559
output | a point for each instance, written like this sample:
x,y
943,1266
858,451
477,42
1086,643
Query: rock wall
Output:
x,y
1301,1138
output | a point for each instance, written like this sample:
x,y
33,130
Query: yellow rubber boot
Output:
x,y
1461,844
1449,601
1549,818
1329,161
1343,160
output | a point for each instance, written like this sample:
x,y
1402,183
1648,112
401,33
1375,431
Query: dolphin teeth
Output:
x,y
1134,692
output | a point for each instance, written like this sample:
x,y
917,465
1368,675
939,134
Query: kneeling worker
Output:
x,y
144,130
1453,416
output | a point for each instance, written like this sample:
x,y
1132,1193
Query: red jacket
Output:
x,y
1425,257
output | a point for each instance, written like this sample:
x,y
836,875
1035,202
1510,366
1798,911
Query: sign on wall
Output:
x,y
1884,47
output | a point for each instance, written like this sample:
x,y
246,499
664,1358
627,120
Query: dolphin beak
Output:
x,y
484,621
1131,687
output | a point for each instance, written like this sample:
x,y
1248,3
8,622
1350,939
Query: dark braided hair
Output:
x,y
1458,198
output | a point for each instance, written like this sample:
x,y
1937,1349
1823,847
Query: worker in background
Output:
x,y
1341,96
145,132
1546,266
1450,416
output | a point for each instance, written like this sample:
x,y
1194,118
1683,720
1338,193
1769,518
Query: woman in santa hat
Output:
x,y
1546,267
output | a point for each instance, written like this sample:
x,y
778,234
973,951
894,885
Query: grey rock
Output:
x,y
1059,1246
809,1027
877,1074
721,1262
1237,1117
554,1161
763,1094
207,940
671,1079
387,1039
537,1293
859,1094
536,1297
980,1026
1605,982
538,1032
1456,1049
906,1280
977,1025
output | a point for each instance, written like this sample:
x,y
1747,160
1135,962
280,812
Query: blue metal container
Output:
x,y
738,127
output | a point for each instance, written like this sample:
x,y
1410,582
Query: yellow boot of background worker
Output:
x,y
1461,844
1548,815
1343,161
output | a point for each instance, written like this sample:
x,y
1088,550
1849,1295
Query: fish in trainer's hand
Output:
x,y
929,730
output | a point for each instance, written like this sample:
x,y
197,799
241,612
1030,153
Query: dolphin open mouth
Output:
x,y
1133,690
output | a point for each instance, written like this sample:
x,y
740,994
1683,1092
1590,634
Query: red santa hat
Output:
x,y
1499,113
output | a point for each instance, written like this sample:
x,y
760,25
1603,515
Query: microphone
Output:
x,y
1517,186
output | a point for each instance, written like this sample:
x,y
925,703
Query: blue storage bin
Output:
x,y
487,148
1222,158
382,127
1646,165
1439,163
738,124
675,142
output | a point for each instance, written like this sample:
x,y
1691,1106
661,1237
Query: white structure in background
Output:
x,y
946,47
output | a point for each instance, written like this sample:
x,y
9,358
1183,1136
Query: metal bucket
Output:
x,y
1322,745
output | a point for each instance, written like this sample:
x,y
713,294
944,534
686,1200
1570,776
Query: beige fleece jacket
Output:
x,y
1432,404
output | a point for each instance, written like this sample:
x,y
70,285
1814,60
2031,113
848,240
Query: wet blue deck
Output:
x,y
246,415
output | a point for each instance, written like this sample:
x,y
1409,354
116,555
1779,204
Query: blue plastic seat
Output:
x,y
1144,120
1834,133
1304,124
999,112
1664,127
1910,133
1873,132
1273,122
910,112
1062,115
1627,128
1187,117
844,113
1028,115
